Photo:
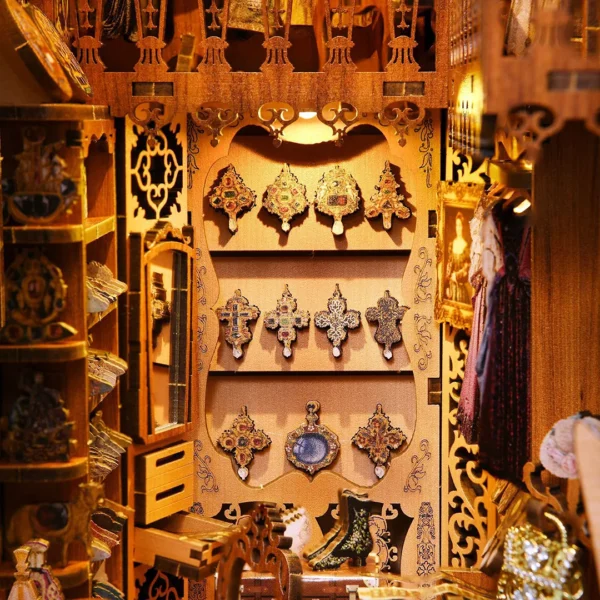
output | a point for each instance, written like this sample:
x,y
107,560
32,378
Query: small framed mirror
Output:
x,y
160,348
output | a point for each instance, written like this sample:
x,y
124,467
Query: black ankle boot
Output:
x,y
355,544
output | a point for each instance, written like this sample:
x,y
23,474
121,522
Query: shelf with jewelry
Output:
x,y
60,233
264,282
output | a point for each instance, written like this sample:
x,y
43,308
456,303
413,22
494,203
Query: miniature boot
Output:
x,y
341,523
355,543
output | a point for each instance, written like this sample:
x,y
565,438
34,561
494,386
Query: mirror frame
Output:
x,y
138,408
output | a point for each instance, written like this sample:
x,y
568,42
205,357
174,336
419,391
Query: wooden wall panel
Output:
x,y
565,280
266,395
311,279
258,162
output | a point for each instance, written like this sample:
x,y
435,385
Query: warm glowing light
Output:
x,y
307,114
522,207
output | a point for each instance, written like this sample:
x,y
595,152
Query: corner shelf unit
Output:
x,y
86,231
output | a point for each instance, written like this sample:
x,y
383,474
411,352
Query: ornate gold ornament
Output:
x,y
286,197
378,438
337,196
337,320
33,49
35,295
80,84
73,520
456,207
538,567
243,440
286,318
389,314
38,425
312,447
42,188
232,196
386,201
237,312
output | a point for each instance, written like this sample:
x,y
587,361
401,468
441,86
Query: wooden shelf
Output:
x,y
59,352
74,574
95,318
55,112
43,472
93,229
97,227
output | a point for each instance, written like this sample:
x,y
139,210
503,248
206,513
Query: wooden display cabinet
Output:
x,y
83,233
260,259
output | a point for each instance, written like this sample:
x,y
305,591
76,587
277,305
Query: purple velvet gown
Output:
x,y
503,365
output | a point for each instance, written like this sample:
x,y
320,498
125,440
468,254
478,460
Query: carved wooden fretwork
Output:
x,y
212,118
402,40
157,170
260,544
340,116
337,19
276,44
470,516
402,115
276,116
88,34
151,34
151,117
213,38
521,133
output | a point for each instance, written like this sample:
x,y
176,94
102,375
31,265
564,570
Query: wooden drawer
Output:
x,y
164,482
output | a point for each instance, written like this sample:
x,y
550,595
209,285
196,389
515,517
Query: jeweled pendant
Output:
x,y
337,196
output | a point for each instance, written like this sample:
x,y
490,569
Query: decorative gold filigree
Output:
x,y
468,492
337,319
386,201
276,116
425,131
312,446
426,538
339,116
276,45
337,196
158,197
379,438
286,318
243,440
232,196
402,45
389,314
402,115
424,278
212,119
35,296
424,336
286,197
418,470
238,312
203,470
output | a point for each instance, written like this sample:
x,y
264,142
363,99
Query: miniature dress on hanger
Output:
x,y
503,365
484,246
